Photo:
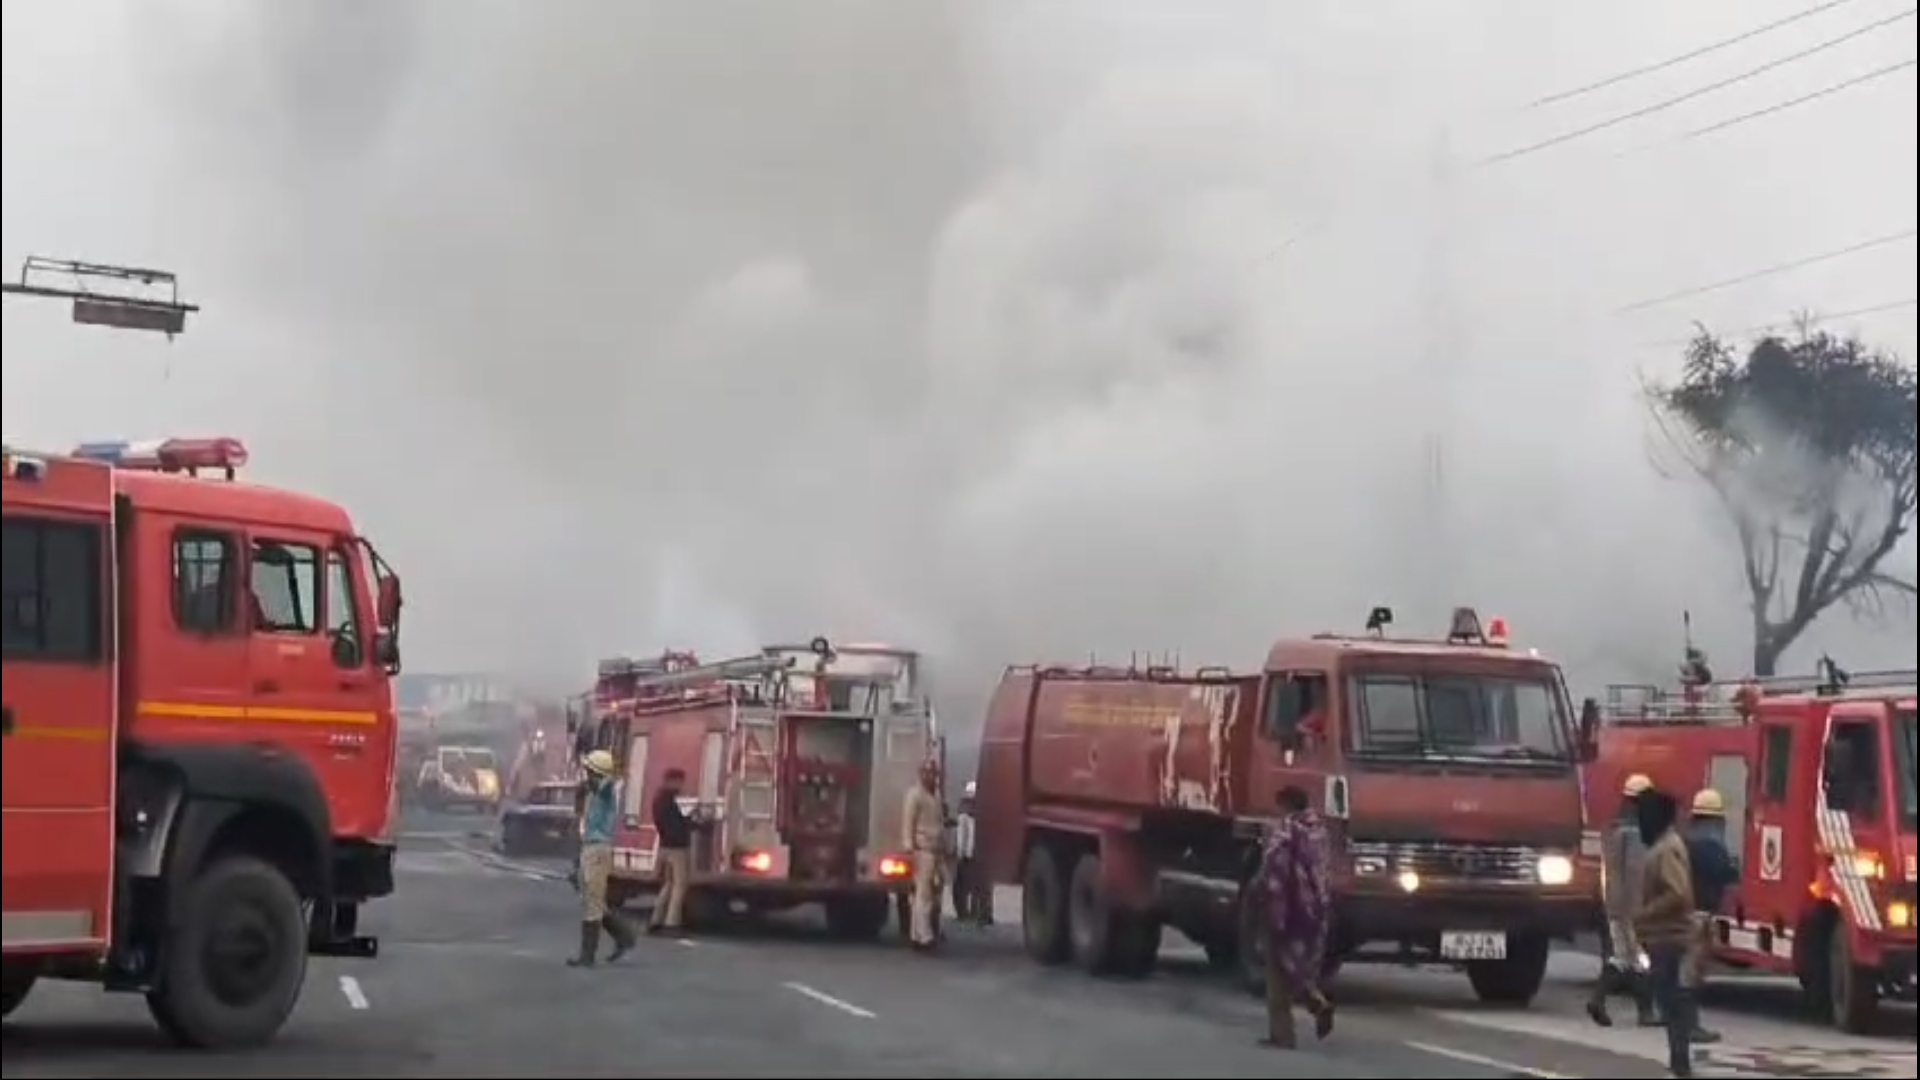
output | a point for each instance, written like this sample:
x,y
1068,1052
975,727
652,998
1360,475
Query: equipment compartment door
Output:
x,y
56,771
904,743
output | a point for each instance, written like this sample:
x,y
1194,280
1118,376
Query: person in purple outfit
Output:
x,y
1294,885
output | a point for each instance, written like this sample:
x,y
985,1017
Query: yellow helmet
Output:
x,y
1708,803
600,762
1637,784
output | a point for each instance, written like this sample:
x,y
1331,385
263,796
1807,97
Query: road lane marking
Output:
x,y
830,1001
350,988
686,943
1491,1063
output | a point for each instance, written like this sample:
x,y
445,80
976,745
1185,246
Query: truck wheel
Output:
x,y
1043,908
235,957
1096,932
16,982
1853,992
858,918
1513,980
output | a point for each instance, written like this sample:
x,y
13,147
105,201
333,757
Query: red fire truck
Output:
x,y
799,756
199,787
1817,774
1127,799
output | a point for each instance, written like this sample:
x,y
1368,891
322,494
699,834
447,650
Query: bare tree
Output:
x,y
1808,443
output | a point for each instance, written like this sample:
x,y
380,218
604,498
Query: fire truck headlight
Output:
x,y
1409,881
1554,870
1900,915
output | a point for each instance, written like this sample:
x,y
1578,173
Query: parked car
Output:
x,y
542,823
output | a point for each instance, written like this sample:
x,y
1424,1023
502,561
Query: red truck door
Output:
x,y
1779,840
307,701
59,719
359,690
1852,810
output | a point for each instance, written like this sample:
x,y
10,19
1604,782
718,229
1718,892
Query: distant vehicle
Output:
x,y
1817,774
459,778
1125,799
543,823
799,756
199,733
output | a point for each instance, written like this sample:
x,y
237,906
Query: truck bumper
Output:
x,y
1421,917
362,870
1897,970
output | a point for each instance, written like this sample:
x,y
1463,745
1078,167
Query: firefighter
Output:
x,y
1622,965
923,834
599,810
1714,872
675,829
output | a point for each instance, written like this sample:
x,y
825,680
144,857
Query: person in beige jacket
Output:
x,y
923,825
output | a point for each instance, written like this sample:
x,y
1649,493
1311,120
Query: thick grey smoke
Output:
x,y
1007,330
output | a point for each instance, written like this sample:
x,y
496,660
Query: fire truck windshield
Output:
x,y
1461,716
1905,757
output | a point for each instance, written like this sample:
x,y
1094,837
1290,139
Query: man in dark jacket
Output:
x,y
1665,923
1623,965
1714,872
675,832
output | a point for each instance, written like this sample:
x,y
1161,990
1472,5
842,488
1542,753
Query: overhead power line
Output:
x,y
1681,99
1803,99
1695,54
1813,319
1770,271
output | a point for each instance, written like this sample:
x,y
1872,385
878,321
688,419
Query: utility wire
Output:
x,y
1675,61
1813,319
1783,106
1681,99
1767,272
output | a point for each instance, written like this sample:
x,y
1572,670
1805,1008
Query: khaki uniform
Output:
x,y
596,865
676,873
924,831
1698,950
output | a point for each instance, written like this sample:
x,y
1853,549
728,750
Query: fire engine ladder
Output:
x,y
1854,681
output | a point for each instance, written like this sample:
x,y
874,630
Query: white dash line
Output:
x,y
1491,1063
686,943
350,987
830,1001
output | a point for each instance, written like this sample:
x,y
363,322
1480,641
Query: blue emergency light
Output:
x,y
168,455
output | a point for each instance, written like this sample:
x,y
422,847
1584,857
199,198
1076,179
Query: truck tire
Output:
x,y
858,918
1043,908
16,982
1517,978
1853,991
235,957
1097,933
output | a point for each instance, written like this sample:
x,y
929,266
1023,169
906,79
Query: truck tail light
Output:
x,y
755,862
895,867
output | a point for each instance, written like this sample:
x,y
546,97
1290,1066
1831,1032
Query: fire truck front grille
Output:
x,y
1444,861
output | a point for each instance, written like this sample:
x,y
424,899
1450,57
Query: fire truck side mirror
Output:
x,y
387,601
1589,734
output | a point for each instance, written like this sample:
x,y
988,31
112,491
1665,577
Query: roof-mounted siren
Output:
x,y
189,456
1378,620
1465,629
1497,631
23,467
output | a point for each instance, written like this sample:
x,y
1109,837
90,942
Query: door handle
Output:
x,y
266,686
353,684
6,720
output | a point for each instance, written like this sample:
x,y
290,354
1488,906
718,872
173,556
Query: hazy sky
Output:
x,y
1005,329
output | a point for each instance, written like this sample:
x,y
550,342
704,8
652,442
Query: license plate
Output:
x,y
1473,945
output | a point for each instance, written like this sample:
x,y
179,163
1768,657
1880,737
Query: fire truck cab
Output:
x,y
798,759
199,733
1817,775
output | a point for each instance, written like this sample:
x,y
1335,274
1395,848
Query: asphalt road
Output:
x,y
470,983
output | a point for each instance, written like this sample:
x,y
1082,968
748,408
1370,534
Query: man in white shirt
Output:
x,y
969,903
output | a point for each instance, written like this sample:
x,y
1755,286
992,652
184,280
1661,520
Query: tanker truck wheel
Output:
x,y
1098,932
1515,979
1043,908
16,982
234,959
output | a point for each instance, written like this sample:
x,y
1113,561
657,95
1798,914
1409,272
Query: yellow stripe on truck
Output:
x,y
186,710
